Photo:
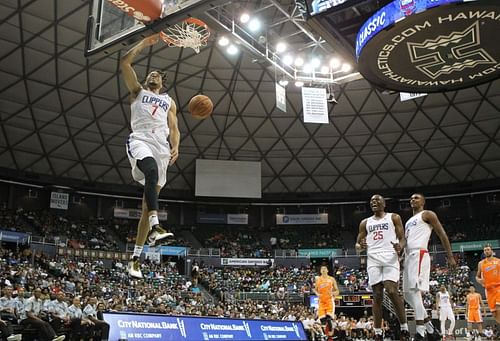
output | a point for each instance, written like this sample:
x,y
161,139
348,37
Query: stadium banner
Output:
x,y
246,261
237,219
135,213
59,200
145,327
13,237
280,97
211,218
477,245
314,105
167,250
302,219
319,253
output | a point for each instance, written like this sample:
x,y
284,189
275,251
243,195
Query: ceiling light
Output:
x,y
280,47
307,68
315,62
299,84
232,49
288,59
299,61
325,69
334,63
346,67
283,82
223,41
254,25
245,17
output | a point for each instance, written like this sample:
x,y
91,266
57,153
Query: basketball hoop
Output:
x,y
191,33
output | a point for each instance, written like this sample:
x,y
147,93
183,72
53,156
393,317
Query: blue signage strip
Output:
x,y
162,327
13,237
167,250
392,13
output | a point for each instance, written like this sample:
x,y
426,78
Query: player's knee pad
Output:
x,y
149,168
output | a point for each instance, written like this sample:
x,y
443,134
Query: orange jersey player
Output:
x,y
473,310
326,288
488,275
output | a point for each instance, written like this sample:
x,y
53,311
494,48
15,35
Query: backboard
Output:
x,y
109,29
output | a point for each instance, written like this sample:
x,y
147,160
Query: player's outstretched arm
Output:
x,y
432,219
128,73
361,239
175,134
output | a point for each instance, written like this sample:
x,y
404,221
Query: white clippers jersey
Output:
x,y
149,112
380,234
444,300
417,232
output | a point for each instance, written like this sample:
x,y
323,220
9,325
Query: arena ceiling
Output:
x,y
65,116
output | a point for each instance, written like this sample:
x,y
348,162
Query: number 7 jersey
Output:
x,y
149,112
380,234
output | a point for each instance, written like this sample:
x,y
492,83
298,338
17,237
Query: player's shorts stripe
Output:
x,y
128,148
421,257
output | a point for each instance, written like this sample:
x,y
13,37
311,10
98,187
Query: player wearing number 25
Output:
x,y
382,235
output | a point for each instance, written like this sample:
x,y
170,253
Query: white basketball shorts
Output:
x,y
148,144
382,266
417,269
446,313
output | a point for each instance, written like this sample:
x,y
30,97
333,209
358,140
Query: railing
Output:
x,y
49,240
283,253
204,252
263,296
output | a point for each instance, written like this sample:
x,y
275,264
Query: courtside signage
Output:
x,y
161,327
246,261
302,219
422,46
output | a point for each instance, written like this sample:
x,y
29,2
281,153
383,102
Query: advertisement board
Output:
x,y
144,327
302,219
246,261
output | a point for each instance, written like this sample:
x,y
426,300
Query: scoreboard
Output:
x,y
346,301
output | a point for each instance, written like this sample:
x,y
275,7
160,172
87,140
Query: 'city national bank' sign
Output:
x,y
431,45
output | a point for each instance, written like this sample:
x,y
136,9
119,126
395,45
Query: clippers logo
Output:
x,y
182,328
447,54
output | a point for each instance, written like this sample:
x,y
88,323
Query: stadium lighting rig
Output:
x,y
313,62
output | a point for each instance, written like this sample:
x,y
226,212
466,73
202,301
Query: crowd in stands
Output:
x,y
233,242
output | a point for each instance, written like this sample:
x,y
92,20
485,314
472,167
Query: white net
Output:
x,y
187,34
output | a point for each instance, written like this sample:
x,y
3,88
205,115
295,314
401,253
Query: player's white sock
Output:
x,y
421,330
378,331
153,220
429,326
137,251
404,326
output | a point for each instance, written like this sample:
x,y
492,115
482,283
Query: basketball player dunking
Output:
x,y
153,121
488,275
326,288
417,263
382,236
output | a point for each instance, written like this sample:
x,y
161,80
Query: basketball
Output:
x,y
142,10
200,107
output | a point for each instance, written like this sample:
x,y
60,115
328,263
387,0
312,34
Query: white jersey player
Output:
x,y
445,306
153,122
382,236
417,262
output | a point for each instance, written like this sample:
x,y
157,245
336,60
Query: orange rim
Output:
x,y
167,39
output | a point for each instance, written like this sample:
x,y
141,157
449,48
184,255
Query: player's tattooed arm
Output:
x,y
400,233
175,135
128,72
479,275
